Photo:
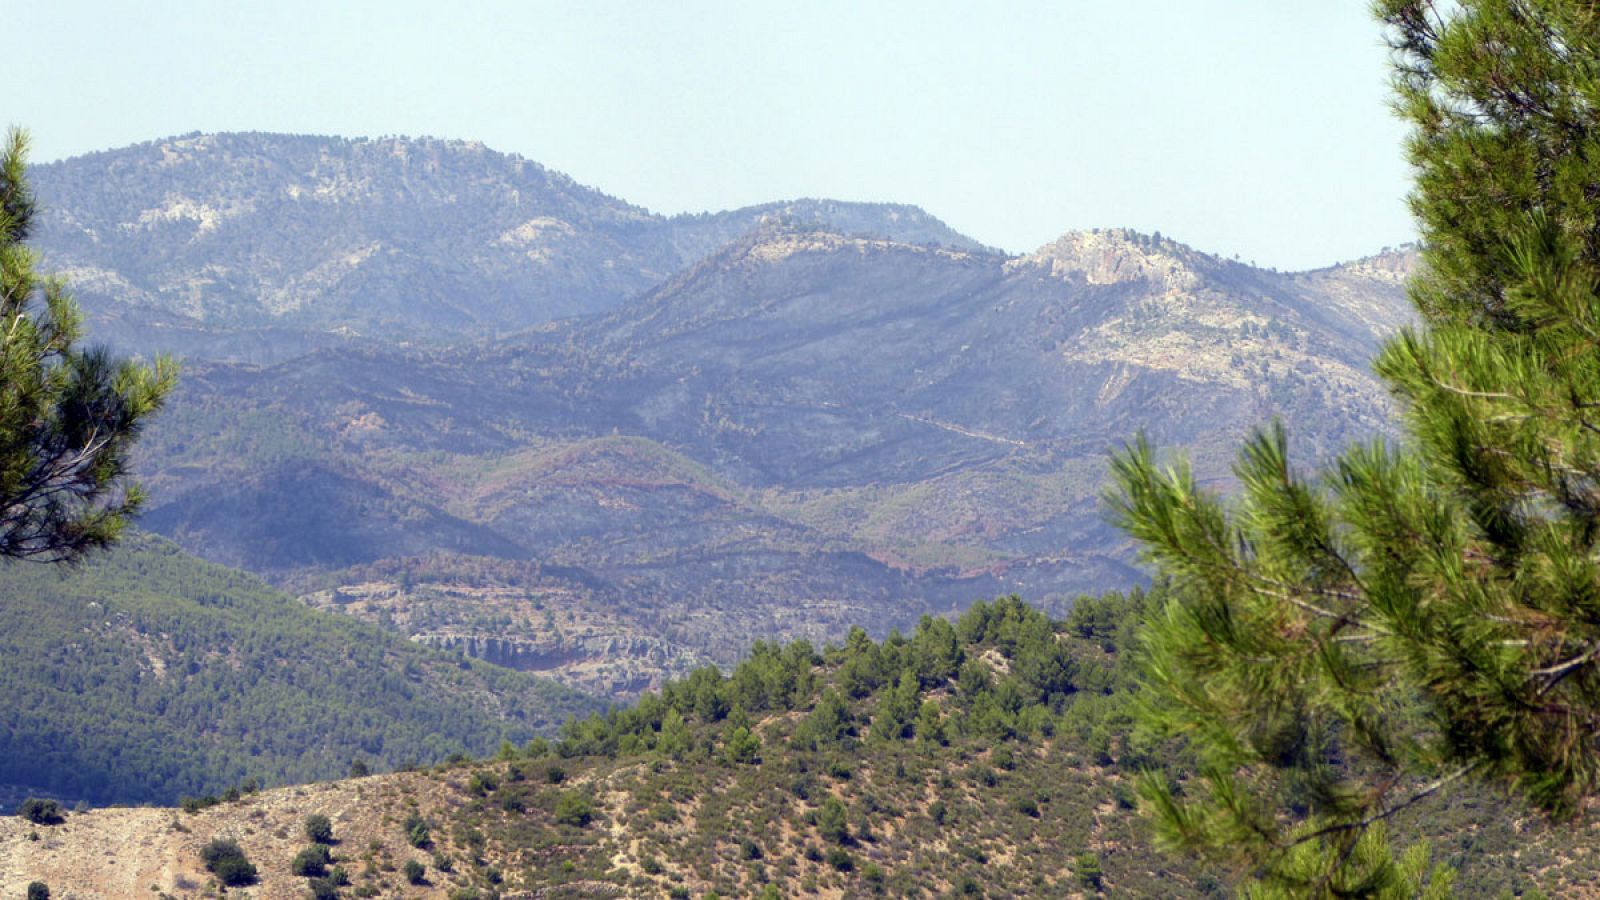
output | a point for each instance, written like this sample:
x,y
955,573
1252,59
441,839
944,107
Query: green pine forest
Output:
x,y
995,756
146,675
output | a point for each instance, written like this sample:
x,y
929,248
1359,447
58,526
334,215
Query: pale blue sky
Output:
x,y
1256,127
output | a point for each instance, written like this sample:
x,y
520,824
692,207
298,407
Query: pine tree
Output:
x,y
1342,645
68,415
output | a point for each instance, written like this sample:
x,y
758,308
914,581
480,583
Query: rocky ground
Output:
x,y
112,854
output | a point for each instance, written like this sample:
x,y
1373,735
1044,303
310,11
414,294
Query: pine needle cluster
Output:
x,y
1349,642
68,414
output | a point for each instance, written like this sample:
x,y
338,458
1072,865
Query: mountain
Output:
x,y
696,236
458,395
258,246
802,432
899,361
990,757
145,675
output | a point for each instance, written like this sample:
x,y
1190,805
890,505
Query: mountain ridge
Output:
x,y
796,416
416,239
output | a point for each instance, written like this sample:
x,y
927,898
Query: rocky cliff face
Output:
x,y
522,618
1118,255
603,665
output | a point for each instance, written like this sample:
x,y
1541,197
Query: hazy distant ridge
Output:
x,y
392,238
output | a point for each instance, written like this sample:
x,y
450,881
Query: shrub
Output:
x,y
804,786
195,804
219,849
415,872
226,860
482,783
323,889
359,768
235,871
1124,796
311,862
1087,867
417,832
743,747
840,859
574,809
38,890
40,812
832,822
319,829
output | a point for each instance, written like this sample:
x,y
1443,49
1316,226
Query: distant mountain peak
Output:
x,y
424,239
1117,255
1392,265
701,235
777,237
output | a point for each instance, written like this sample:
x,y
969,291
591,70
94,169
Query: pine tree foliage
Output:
x,y
68,415
1348,643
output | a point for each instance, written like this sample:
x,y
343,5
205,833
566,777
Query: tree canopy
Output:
x,y
1347,642
68,414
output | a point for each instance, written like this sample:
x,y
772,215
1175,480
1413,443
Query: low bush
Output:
x,y
417,832
235,871
415,872
574,809
40,812
312,862
225,859
319,829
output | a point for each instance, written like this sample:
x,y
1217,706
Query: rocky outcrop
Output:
x,y
603,664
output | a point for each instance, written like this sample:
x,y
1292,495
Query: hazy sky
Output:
x,y
1256,127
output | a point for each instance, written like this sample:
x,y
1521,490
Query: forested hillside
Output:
x,y
993,756
146,675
